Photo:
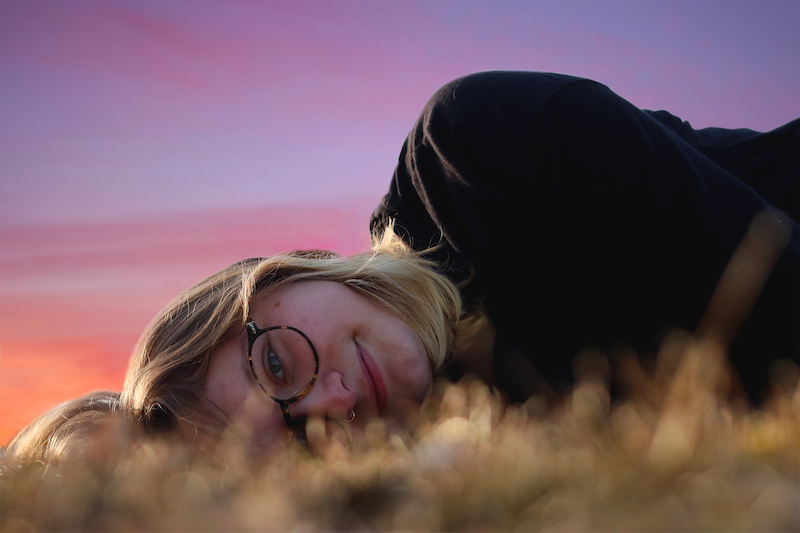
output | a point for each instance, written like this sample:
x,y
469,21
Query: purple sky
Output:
x,y
117,109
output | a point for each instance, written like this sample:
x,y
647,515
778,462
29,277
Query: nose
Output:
x,y
329,396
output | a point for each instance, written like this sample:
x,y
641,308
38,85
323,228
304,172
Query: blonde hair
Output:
x,y
166,376
88,427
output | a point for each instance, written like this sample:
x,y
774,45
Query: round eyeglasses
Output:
x,y
285,365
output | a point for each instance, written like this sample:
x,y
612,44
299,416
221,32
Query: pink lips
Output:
x,y
375,376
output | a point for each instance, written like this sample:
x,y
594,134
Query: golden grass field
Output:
x,y
676,452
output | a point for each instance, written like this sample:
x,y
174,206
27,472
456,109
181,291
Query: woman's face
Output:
x,y
370,362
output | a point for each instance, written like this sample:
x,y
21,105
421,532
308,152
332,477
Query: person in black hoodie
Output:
x,y
578,220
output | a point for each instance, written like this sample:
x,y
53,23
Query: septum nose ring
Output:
x,y
352,417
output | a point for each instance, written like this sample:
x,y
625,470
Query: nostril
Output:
x,y
341,399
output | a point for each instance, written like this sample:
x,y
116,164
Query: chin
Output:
x,y
407,412
403,424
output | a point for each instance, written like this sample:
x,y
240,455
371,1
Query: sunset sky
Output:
x,y
146,144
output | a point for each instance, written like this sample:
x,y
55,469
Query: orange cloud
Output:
x,y
37,376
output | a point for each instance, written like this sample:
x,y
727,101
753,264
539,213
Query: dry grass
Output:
x,y
675,454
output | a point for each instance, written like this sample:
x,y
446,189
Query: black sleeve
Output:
x,y
586,220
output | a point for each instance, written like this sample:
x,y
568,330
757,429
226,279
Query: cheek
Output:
x,y
253,417
412,369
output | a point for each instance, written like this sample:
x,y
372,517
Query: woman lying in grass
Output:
x,y
550,215
264,345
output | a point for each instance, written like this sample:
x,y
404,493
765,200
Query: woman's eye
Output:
x,y
274,365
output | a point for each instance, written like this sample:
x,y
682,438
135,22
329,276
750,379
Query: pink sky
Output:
x,y
146,144
76,297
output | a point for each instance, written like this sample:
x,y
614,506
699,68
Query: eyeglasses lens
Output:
x,y
284,362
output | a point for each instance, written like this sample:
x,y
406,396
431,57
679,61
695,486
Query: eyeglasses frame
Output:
x,y
253,333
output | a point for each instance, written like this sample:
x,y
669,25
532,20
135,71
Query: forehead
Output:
x,y
293,291
303,299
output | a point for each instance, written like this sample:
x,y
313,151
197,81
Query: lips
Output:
x,y
378,385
